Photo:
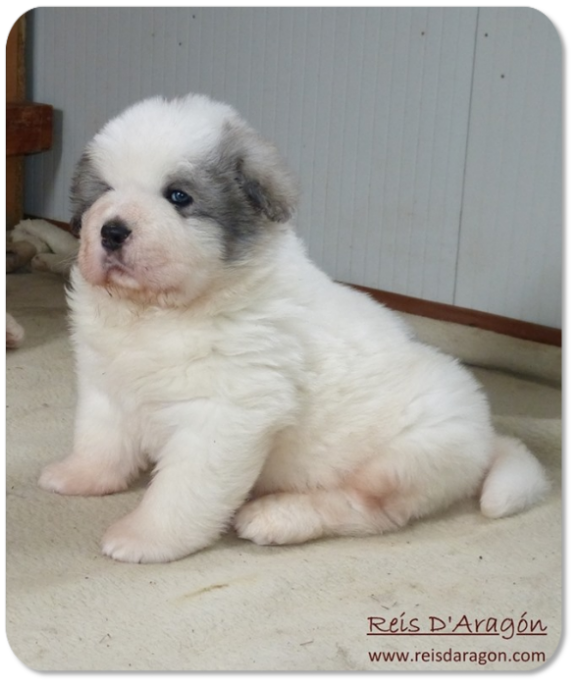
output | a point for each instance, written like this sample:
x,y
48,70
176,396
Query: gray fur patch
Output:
x,y
86,188
244,187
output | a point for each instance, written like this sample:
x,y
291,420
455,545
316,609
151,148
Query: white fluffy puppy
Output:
x,y
263,393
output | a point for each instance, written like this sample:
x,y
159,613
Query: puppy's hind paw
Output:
x,y
252,523
276,519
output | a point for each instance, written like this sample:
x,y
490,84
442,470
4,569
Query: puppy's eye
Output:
x,y
178,198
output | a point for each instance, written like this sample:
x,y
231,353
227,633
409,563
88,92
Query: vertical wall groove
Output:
x,y
511,230
462,200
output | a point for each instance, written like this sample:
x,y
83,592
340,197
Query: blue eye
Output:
x,y
178,198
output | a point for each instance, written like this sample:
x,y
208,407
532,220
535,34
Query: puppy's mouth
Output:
x,y
114,270
117,271
114,263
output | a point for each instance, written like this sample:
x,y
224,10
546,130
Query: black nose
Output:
x,y
114,234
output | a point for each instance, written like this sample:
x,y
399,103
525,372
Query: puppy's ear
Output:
x,y
261,173
86,188
75,225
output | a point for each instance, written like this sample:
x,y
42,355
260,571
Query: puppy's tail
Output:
x,y
515,482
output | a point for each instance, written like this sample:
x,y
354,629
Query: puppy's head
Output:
x,y
171,195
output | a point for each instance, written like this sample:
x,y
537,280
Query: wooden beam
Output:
x,y
15,65
28,128
15,91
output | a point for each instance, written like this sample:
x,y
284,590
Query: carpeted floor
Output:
x,y
237,606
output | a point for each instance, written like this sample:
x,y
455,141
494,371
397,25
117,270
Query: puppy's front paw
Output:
x,y
135,539
78,477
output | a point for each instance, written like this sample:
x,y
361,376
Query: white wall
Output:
x,y
423,171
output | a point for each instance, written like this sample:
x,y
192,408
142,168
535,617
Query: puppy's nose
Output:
x,y
114,234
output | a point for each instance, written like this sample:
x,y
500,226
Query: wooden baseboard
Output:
x,y
471,318
449,313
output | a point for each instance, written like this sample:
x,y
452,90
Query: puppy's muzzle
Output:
x,y
113,235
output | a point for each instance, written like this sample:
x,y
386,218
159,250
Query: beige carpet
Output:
x,y
237,606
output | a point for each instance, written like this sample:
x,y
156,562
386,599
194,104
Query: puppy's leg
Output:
x,y
104,459
419,473
290,518
203,475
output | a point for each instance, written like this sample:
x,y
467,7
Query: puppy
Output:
x,y
264,394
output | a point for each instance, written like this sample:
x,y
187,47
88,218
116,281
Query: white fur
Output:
x,y
263,393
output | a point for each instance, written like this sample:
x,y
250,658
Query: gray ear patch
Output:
x,y
268,193
245,187
261,173
86,188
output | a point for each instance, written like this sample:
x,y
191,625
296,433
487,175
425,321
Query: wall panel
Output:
x,y
422,171
510,254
